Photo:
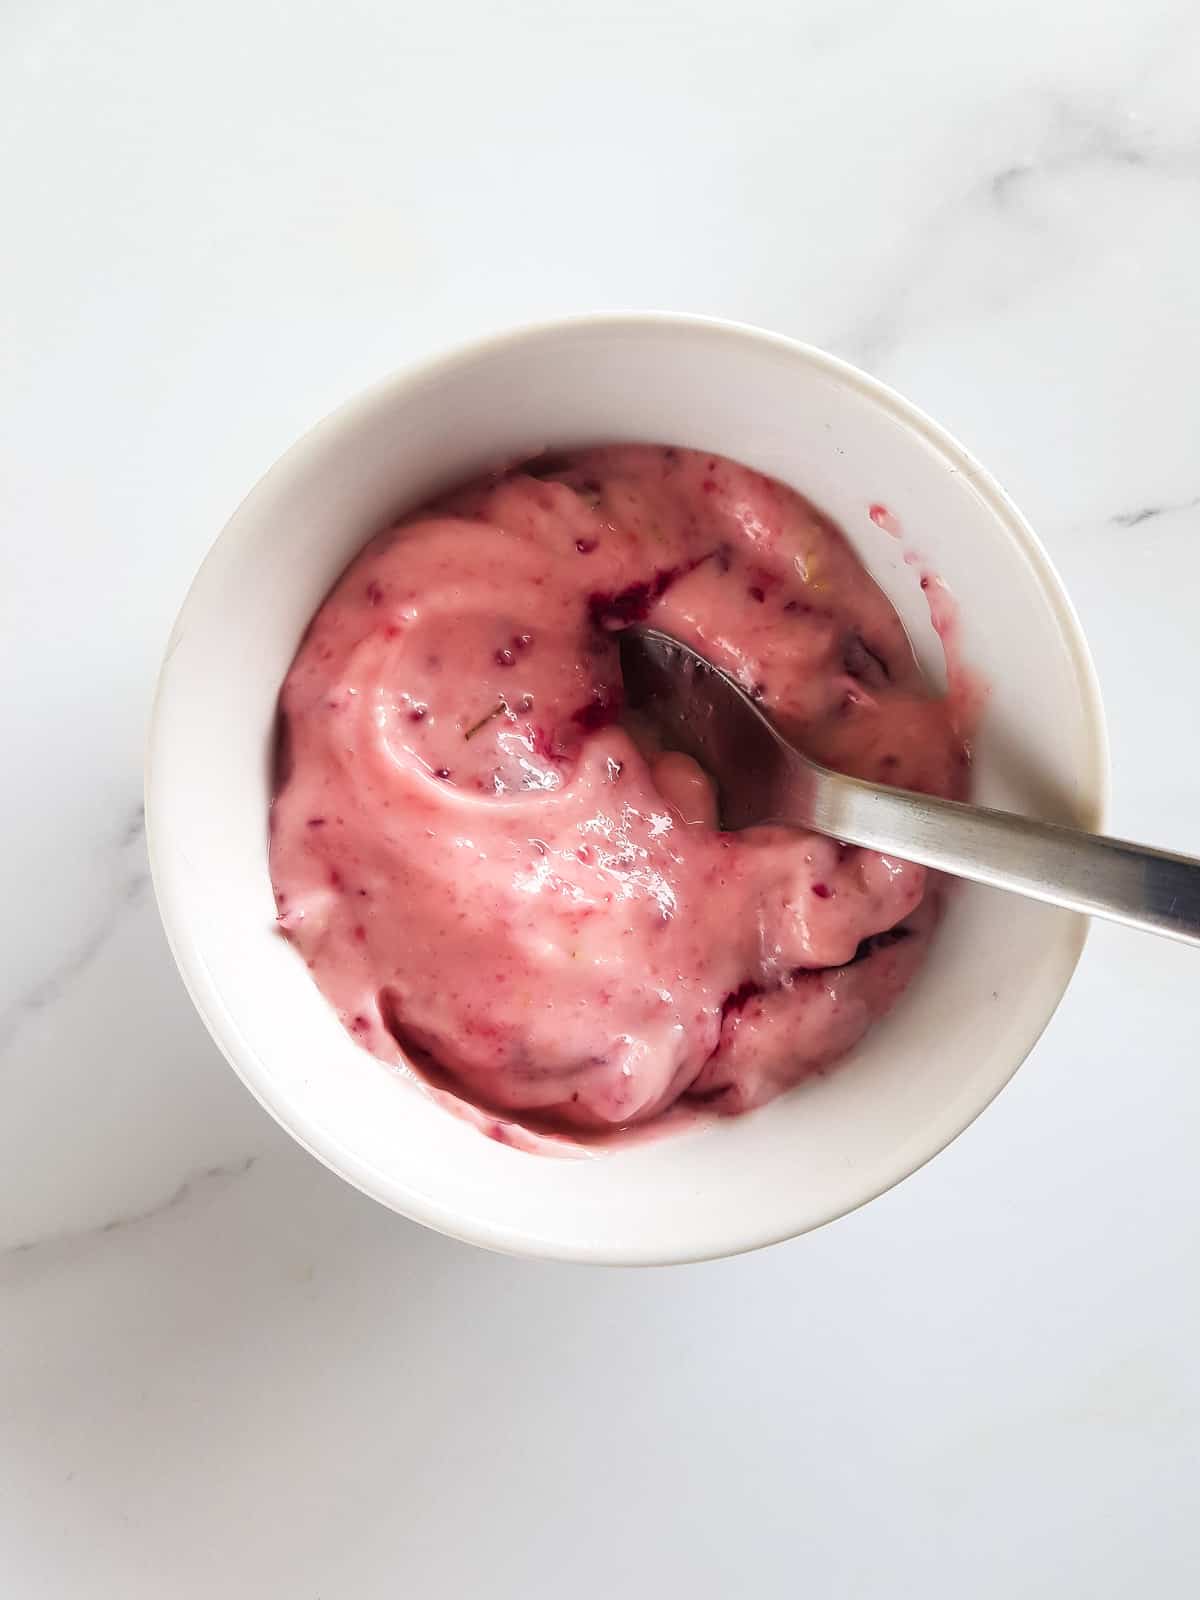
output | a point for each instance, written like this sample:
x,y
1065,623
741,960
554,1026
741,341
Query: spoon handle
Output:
x,y
1129,883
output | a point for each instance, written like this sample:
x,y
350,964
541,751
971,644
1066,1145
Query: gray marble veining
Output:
x,y
131,889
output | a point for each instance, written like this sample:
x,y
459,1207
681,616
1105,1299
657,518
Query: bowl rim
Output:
x,y
189,959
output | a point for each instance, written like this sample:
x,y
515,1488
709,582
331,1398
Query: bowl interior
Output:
x,y
997,968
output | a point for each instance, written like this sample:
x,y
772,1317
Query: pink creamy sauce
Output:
x,y
498,878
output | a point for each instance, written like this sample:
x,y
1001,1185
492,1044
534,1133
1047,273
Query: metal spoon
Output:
x,y
762,778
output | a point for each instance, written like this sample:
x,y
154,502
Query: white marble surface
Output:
x,y
221,1371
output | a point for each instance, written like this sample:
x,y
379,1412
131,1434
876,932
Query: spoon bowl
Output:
x,y
761,777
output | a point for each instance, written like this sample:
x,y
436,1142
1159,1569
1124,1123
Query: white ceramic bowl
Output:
x,y
998,967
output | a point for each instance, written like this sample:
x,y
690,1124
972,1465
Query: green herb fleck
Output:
x,y
485,719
